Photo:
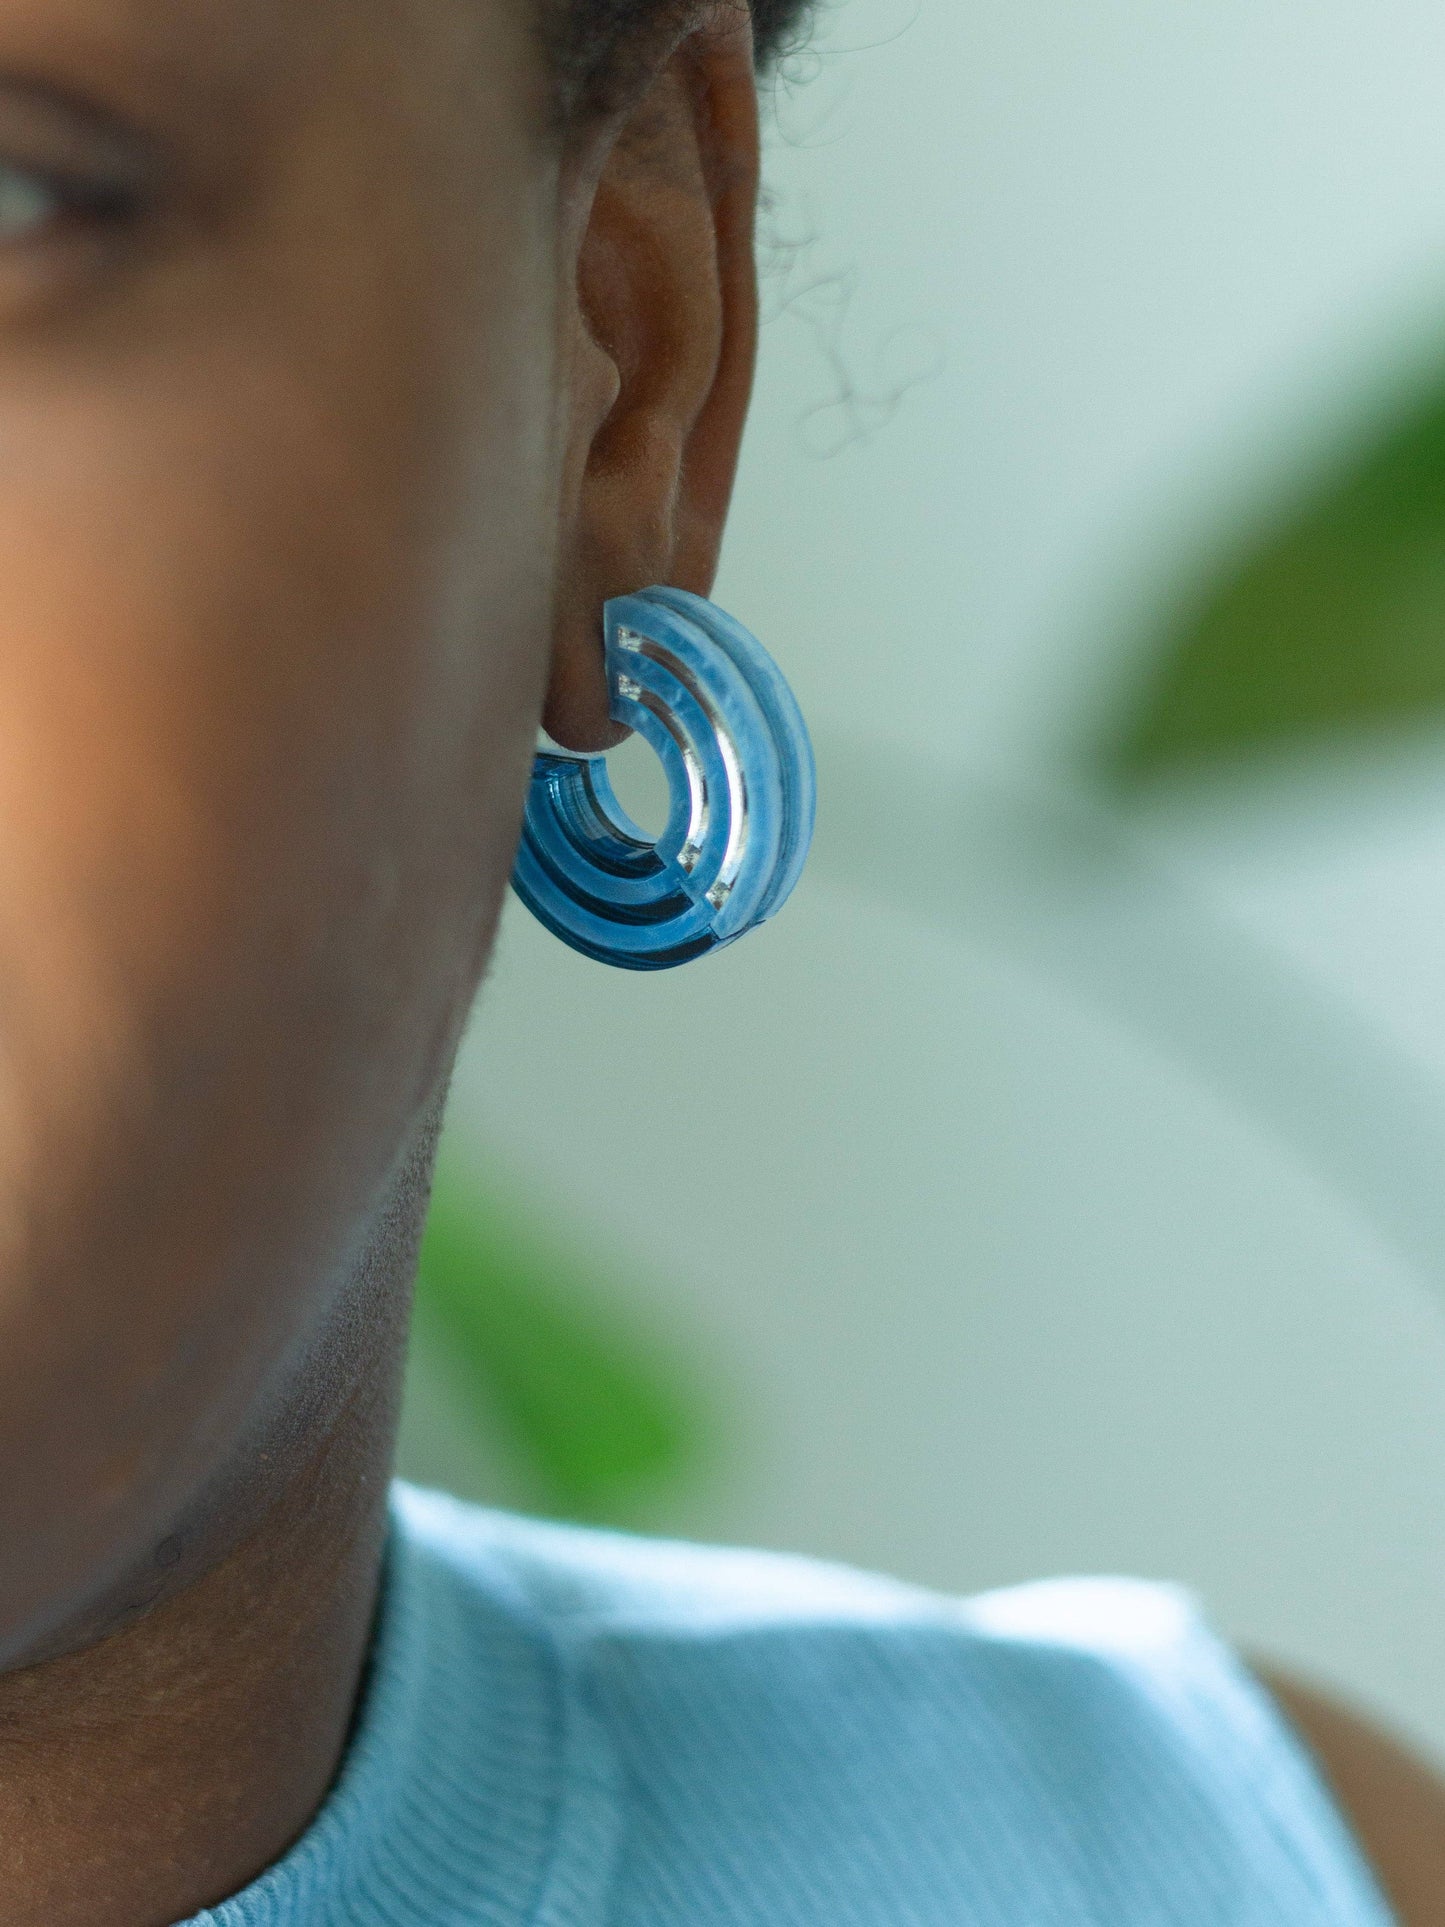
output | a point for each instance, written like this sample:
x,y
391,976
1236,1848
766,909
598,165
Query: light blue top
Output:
x,y
575,1729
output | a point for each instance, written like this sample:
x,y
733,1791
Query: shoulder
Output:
x,y
821,1742
588,1580
1395,1802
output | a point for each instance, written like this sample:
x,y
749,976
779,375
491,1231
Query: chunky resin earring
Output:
x,y
714,706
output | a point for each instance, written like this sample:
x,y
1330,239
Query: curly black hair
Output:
x,y
591,44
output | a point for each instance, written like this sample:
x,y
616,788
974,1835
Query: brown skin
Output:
x,y
319,454
317,463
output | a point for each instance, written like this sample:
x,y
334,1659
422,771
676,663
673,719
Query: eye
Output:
x,y
28,205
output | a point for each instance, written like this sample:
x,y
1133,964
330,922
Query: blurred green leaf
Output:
x,y
1331,624
598,1416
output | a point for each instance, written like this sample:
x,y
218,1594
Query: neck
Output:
x,y
155,1773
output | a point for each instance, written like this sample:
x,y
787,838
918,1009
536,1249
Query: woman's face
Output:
x,y
279,501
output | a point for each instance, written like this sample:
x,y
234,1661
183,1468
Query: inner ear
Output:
x,y
663,326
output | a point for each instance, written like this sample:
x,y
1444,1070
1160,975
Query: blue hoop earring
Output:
x,y
714,706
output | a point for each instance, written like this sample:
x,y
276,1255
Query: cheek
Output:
x,y
260,708
271,649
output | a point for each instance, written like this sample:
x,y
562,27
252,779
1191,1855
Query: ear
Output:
x,y
662,338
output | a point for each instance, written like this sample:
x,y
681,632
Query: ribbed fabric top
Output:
x,y
574,1729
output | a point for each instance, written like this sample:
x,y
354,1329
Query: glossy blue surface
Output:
x,y
714,706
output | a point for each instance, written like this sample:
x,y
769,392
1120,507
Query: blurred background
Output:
x,y
1059,1184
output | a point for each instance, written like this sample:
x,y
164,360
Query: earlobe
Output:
x,y
664,327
